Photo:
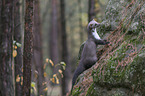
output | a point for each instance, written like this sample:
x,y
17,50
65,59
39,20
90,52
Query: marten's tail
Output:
x,y
77,72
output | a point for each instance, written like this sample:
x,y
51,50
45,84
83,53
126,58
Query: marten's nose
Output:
x,y
99,24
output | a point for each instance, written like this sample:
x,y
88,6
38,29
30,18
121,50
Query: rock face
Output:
x,y
120,70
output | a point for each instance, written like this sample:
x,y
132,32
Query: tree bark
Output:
x,y
80,21
91,10
17,38
65,55
6,30
28,47
38,56
54,56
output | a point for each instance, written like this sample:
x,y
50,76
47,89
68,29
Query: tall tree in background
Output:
x,y
80,21
65,55
38,56
28,43
18,59
54,34
91,10
6,30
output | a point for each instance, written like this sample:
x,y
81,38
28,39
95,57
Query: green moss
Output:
x,y
136,73
130,77
76,91
96,90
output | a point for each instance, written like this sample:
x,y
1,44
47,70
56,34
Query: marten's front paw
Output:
x,y
106,42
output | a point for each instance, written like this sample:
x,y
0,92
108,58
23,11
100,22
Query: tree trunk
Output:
x,y
17,38
6,30
28,43
65,57
38,56
80,21
91,10
54,56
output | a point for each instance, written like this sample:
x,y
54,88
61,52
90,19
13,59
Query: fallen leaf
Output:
x,y
18,78
14,53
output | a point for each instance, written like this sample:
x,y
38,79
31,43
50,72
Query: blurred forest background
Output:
x,y
48,31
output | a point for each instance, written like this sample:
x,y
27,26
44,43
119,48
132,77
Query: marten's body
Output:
x,y
88,56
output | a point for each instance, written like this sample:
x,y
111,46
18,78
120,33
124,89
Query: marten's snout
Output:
x,y
97,25
92,26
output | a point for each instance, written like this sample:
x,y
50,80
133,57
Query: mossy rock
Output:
x,y
130,80
120,70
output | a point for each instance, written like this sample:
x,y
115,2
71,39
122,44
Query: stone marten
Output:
x,y
88,56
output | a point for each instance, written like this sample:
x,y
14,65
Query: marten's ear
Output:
x,y
91,25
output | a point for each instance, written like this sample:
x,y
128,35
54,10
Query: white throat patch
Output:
x,y
95,34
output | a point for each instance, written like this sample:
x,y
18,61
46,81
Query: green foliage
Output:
x,y
32,84
33,87
54,78
17,44
62,64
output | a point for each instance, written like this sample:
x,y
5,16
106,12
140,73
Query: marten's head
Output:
x,y
92,29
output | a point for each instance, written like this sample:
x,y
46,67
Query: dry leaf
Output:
x,y
35,74
54,75
18,78
44,66
22,69
44,74
51,62
15,47
21,78
57,80
21,83
52,80
14,53
45,89
47,60
60,71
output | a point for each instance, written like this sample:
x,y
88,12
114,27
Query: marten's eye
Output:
x,y
91,25
96,25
